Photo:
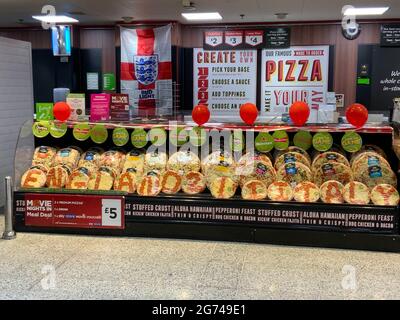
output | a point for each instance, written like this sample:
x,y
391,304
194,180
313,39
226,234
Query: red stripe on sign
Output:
x,y
145,47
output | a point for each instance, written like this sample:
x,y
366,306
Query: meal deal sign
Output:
x,y
78,211
293,74
224,80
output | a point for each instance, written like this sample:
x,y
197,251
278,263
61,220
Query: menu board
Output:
x,y
293,74
277,38
224,79
390,35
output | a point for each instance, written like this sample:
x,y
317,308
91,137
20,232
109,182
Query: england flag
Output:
x,y
146,71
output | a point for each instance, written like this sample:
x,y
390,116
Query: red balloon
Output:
x,y
61,111
200,114
299,113
248,113
357,114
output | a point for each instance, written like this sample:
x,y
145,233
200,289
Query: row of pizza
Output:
x,y
152,172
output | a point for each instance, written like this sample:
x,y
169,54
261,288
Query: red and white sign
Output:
x,y
254,37
146,69
213,38
224,79
293,74
234,38
77,211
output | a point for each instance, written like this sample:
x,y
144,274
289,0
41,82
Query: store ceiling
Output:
x,y
111,11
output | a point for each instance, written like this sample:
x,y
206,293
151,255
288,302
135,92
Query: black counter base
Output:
x,y
194,231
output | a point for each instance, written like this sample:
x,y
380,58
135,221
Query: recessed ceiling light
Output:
x,y
281,15
202,16
55,19
365,11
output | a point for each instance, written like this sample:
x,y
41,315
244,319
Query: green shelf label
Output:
x,y
41,129
281,140
58,130
351,142
98,133
81,131
264,142
120,136
139,138
322,141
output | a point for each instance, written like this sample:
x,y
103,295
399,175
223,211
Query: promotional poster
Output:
x,y
224,80
293,74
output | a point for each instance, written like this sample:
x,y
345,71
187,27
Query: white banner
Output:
x,y
146,70
293,74
224,80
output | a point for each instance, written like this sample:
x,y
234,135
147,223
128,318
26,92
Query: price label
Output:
x,y
213,38
111,212
233,38
254,38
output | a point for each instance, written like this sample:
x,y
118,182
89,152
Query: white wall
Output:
x,y
16,100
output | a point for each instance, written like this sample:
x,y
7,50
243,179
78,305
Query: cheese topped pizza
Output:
x,y
79,179
193,182
33,178
289,157
356,193
223,188
278,153
126,182
171,182
67,156
103,179
254,190
280,191
57,176
328,157
332,171
183,162
331,191
256,170
149,185
385,195
294,173
43,155
306,192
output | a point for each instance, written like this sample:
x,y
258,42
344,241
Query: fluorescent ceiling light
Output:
x,y
55,19
202,16
365,11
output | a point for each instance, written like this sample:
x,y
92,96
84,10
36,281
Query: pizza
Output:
x,y
294,173
328,157
149,186
254,190
306,192
385,195
278,153
67,156
368,148
155,161
79,179
112,159
134,160
335,148
44,155
331,191
103,179
280,191
57,176
256,170
171,182
250,157
193,182
223,188
126,182
183,162
289,157
332,171
372,169
219,164
33,178
356,193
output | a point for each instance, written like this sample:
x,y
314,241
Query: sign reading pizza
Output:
x,y
79,211
293,74
224,79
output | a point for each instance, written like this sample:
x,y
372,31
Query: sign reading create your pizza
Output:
x,y
224,80
293,74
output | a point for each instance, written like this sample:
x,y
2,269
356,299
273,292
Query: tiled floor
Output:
x,y
40,266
